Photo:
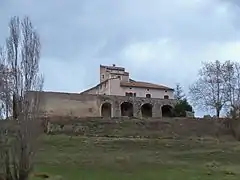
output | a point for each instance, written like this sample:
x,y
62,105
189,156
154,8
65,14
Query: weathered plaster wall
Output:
x,y
116,89
87,105
102,88
55,103
155,93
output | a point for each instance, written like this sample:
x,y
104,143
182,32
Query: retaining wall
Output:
x,y
148,128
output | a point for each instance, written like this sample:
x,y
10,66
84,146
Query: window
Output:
x,y
103,76
166,97
119,77
148,95
130,94
147,89
166,91
130,88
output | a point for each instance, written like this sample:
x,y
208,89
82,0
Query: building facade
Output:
x,y
116,95
115,81
132,98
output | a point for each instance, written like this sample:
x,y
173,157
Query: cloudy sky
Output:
x,y
161,41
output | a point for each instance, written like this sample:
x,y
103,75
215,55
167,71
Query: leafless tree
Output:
x,y
231,77
20,76
5,86
208,91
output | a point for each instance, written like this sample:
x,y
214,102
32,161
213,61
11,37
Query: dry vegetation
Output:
x,y
104,158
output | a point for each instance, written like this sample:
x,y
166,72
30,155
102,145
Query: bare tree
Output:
x,y
2,82
231,77
208,91
5,85
20,61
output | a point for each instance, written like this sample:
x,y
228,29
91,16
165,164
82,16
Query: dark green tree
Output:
x,y
181,107
182,104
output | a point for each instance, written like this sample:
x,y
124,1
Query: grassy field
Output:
x,y
82,158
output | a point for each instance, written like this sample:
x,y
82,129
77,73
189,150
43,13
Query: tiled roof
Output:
x,y
140,84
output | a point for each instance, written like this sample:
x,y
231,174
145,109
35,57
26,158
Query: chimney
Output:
x,y
114,65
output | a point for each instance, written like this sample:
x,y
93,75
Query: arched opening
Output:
x,y
166,97
167,111
127,109
148,95
106,110
146,110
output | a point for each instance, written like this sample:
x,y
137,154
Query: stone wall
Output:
x,y
133,127
179,128
87,105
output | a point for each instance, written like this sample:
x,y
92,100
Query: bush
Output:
x,y
181,108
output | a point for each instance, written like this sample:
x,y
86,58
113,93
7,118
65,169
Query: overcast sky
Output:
x,y
160,41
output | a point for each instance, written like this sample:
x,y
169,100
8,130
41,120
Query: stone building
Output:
x,y
116,81
116,95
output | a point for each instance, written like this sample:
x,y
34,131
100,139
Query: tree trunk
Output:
x,y
218,112
15,108
234,112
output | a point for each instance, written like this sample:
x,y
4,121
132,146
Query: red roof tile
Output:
x,y
140,84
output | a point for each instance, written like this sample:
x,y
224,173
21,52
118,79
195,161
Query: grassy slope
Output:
x,y
107,159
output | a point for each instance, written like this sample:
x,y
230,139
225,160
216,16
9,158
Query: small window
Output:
x,y
166,97
134,94
147,89
130,88
165,90
148,95
103,76
119,77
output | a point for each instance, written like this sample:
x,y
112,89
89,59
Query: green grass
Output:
x,y
82,158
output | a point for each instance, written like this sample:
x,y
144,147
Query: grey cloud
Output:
x,y
79,27
79,35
